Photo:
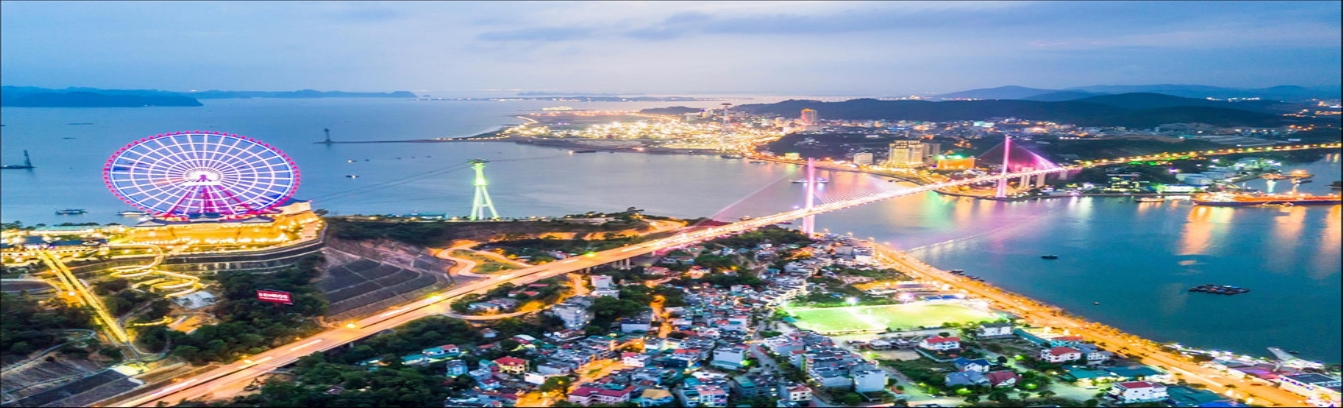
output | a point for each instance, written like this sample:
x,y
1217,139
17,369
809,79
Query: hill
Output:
x,y
1140,101
1289,93
1147,112
92,100
1061,96
1002,92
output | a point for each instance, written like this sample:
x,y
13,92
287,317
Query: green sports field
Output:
x,y
880,317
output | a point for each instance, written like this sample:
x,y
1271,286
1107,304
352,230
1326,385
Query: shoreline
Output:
x,y
1040,314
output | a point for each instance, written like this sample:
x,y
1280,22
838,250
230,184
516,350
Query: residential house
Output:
x,y
1002,378
586,395
995,329
965,364
796,392
1059,355
733,354
1137,391
456,368
510,364
444,351
967,378
488,333
574,311
867,378
653,397
939,343
1093,354
634,359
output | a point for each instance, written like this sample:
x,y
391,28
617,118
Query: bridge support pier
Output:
x,y
809,222
1040,180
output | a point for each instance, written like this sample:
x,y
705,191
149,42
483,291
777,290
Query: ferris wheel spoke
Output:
x,y
189,173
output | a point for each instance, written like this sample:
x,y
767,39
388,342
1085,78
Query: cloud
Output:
x,y
539,34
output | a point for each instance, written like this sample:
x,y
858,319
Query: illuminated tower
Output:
x,y
808,117
1002,183
722,141
482,194
809,222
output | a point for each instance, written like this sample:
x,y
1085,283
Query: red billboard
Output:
x,y
274,296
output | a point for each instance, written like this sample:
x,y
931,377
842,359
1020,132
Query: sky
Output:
x,y
812,48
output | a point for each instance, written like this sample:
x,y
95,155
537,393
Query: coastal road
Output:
x,y
1146,351
238,374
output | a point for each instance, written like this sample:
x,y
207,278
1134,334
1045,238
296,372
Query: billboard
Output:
x,y
274,296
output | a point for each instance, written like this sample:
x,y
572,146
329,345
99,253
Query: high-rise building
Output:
x,y
809,117
906,153
862,158
930,153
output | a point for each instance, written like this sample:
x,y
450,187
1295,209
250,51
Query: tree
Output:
x,y
1046,394
1002,360
557,384
972,398
1024,395
851,399
1091,403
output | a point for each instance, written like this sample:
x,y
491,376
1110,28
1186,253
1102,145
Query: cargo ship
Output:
x,y
1249,200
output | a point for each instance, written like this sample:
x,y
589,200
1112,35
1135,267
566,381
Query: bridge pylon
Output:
x,y
1002,183
809,222
482,200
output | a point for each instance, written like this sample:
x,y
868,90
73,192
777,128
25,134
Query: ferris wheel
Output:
x,y
182,174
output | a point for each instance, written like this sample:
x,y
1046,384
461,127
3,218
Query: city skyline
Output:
x,y
628,47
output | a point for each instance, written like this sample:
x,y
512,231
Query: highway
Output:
x,y
1145,351
240,373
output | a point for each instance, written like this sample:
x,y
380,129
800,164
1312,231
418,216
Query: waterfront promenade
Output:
x,y
1142,350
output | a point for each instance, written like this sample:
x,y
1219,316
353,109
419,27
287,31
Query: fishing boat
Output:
x,y
1151,199
71,211
132,213
1050,257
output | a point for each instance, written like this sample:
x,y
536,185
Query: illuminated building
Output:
x,y
906,153
862,158
955,162
808,117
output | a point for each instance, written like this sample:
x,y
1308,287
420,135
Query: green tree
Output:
x,y
557,384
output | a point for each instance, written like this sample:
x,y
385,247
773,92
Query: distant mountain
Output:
x,y
1289,93
36,98
671,110
1061,96
94,97
1002,92
306,93
1140,101
1143,111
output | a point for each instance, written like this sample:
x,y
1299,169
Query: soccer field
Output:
x,y
886,316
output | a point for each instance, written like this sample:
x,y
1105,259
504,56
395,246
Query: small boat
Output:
x,y
1049,257
68,138
1294,352
746,218
957,271
585,151
350,161
1151,199
71,211
730,156
353,176
819,180
1096,303
132,213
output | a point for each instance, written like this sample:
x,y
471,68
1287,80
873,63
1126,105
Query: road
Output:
x,y
238,374
1145,351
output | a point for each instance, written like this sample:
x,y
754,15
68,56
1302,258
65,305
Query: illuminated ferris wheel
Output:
x,y
184,174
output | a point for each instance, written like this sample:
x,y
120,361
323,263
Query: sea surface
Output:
x,y
1136,260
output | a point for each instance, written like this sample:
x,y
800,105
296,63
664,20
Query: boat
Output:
x,y
27,163
1096,303
352,176
1273,176
1219,289
585,151
79,123
957,271
819,180
1049,257
746,218
1151,199
1337,185
132,213
71,211
1249,200
730,156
